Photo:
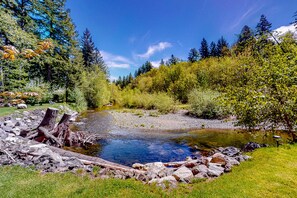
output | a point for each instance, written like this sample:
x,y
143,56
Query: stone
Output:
x,y
156,169
9,123
215,170
16,131
228,168
230,151
165,182
218,158
32,117
202,168
232,161
138,166
183,174
22,106
26,113
201,175
251,146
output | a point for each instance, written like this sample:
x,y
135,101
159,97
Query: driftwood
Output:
x,y
59,135
88,160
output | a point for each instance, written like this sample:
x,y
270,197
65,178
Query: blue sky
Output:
x,y
130,32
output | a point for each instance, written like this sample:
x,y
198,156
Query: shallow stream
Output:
x,y
126,146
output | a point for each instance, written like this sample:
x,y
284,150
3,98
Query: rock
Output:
x,y
218,158
202,168
22,106
32,117
183,174
138,166
165,182
156,169
9,123
201,175
26,113
232,161
228,167
215,170
16,131
251,146
230,151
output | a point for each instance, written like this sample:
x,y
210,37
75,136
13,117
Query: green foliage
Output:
x,y
80,103
95,88
266,88
204,104
136,99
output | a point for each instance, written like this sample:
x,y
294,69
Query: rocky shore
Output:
x,y
16,150
150,119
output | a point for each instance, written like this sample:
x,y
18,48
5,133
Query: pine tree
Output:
x,y
244,39
295,19
162,62
204,52
173,60
263,27
91,55
222,46
193,55
213,49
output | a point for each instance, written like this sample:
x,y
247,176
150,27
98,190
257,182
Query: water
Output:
x,y
139,146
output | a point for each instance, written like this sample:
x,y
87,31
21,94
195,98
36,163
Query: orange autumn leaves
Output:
x,y
9,52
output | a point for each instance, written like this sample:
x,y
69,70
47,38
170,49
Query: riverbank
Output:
x,y
151,119
269,173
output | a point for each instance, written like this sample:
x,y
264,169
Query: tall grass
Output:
x,y
136,99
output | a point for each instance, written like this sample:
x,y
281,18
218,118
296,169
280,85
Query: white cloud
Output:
x,y
112,78
281,31
155,48
157,63
116,61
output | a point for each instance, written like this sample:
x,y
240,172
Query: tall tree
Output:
x,y
244,39
222,46
213,49
264,26
204,52
162,62
91,55
172,60
193,55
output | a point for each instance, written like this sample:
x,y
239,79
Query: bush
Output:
x,y
95,88
79,99
135,99
204,104
59,95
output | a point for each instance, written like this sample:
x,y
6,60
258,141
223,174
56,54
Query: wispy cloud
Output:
x,y
251,11
155,48
116,61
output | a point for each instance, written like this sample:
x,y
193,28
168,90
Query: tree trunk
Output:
x,y
49,120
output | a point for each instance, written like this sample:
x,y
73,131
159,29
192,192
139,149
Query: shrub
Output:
x,y
204,104
59,95
80,103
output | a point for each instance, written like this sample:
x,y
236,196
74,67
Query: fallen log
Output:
x,y
88,160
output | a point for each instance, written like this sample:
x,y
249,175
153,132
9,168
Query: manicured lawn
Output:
x,y
9,110
271,173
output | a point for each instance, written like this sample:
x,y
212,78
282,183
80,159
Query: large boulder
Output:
x,y
183,174
22,106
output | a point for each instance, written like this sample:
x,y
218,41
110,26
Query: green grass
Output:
x,y
271,173
4,111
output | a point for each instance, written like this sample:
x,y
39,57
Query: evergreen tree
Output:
x,y
213,49
162,62
22,10
263,27
295,19
193,55
222,46
204,52
244,39
173,60
91,55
